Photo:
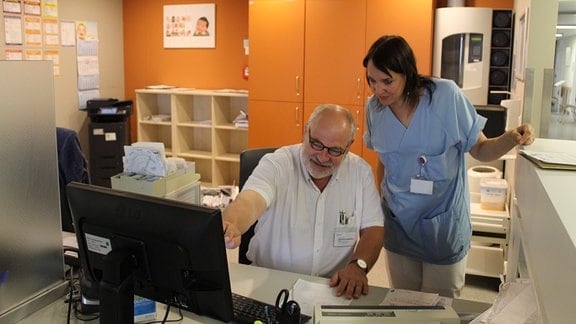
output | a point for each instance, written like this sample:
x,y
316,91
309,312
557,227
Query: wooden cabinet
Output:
x,y
313,49
335,47
276,30
196,125
334,43
277,123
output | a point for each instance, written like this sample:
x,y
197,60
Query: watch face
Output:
x,y
362,264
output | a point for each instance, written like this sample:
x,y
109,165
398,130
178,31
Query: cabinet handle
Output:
x,y
357,119
358,94
298,85
296,115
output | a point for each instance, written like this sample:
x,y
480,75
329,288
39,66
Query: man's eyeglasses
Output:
x,y
318,146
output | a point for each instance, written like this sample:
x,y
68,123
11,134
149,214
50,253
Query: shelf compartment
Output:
x,y
194,141
200,129
226,108
152,132
226,173
228,142
203,167
152,103
193,109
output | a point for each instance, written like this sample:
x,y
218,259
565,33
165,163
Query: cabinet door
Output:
x,y
273,123
335,42
276,32
412,19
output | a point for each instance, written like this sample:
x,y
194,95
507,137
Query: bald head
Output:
x,y
333,119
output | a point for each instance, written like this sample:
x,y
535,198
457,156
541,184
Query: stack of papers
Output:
x,y
146,158
309,294
241,121
551,160
160,87
403,297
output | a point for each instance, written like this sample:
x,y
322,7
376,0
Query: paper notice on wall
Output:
x,y
84,96
13,30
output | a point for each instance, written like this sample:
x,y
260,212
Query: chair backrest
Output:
x,y
72,166
248,161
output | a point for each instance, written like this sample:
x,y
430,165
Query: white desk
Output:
x,y
259,283
543,238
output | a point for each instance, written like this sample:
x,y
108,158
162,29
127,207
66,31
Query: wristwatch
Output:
x,y
361,264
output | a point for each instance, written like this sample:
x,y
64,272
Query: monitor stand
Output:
x,y
117,287
90,295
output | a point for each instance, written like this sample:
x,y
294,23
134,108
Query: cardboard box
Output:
x,y
153,185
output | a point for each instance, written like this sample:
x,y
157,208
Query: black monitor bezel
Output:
x,y
189,240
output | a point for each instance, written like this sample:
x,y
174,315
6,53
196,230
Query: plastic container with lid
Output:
x,y
493,193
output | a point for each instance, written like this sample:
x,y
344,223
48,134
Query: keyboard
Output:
x,y
247,310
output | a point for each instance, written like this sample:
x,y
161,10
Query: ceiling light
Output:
x,y
566,27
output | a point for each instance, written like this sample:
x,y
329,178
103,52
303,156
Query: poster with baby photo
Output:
x,y
190,26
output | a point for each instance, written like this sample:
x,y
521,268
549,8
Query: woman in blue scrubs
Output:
x,y
422,128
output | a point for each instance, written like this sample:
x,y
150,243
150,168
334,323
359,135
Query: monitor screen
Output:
x,y
165,250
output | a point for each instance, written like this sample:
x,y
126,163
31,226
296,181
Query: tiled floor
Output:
x,y
482,289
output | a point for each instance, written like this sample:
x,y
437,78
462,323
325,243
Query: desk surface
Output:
x,y
547,231
259,283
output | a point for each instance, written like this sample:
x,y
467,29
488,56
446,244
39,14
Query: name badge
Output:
x,y
421,186
344,238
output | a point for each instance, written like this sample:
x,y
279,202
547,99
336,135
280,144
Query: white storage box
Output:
x,y
156,186
190,193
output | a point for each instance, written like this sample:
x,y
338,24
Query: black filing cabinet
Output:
x,y
109,132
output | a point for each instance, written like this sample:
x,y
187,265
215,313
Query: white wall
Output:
x,y
108,15
536,87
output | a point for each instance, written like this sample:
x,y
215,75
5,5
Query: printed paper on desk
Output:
x,y
402,297
308,294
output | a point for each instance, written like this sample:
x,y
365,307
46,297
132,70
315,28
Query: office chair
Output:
x,y
248,161
72,166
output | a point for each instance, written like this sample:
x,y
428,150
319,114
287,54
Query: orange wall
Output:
x,y
146,62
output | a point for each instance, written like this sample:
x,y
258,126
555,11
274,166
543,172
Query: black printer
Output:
x,y
109,131
108,109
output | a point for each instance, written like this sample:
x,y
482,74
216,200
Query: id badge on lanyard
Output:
x,y
419,184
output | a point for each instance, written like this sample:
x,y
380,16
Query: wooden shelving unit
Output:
x,y
196,125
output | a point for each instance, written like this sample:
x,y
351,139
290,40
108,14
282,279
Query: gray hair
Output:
x,y
318,111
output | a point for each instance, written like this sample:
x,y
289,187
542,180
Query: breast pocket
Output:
x,y
346,231
440,167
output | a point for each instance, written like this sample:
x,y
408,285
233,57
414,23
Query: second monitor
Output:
x,y
164,250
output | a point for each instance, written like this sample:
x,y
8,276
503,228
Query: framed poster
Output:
x,y
190,26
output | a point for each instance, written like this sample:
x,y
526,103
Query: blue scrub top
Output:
x,y
431,228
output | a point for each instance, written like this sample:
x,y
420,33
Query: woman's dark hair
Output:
x,y
392,53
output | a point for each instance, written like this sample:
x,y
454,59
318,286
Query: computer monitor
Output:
x,y
165,250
